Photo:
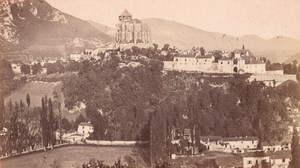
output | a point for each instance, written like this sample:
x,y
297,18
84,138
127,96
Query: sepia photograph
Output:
x,y
149,83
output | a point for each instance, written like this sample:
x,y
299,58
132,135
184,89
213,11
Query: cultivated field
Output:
x,y
74,157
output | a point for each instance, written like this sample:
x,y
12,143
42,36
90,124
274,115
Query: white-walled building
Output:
x,y
242,61
275,146
241,143
16,67
255,158
278,159
85,128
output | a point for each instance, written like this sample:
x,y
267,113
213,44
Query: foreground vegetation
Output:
x,y
142,102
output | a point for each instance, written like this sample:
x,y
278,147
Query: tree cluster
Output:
x,y
143,103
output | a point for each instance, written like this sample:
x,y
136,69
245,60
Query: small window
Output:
x,y
176,59
228,62
205,60
221,62
184,59
249,162
283,160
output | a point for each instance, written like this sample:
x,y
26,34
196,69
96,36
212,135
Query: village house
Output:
x,y
16,67
275,159
241,61
85,128
275,146
258,158
280,159
241,143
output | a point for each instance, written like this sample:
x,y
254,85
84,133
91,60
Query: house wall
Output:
x,y
272,148
16,68
225,66
82,129
248,162
280,163
269,78
242,144
255,68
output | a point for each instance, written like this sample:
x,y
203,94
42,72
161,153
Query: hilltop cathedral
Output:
x,y
131,31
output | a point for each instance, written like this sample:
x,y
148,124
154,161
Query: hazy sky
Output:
x,y
266,18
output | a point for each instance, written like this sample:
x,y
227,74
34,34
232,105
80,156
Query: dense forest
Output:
x,y
128,96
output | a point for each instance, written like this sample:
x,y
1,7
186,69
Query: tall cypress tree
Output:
x,y
295,162
2,112
44,123
51,123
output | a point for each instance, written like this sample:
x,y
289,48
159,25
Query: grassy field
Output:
x,y
74,157
36,90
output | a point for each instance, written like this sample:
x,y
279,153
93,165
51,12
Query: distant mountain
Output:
x,y
294,57
105,29
36,24
183,36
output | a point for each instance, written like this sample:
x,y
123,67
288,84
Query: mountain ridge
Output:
x,y
277,49
23,25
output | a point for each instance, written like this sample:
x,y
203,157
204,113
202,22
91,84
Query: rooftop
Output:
x,y
241,139
283,154
125,13
86,124
185,56
255,154
204,56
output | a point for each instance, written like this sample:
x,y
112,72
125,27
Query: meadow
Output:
x,y
74,157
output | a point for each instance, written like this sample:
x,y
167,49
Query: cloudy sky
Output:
x,y
266,18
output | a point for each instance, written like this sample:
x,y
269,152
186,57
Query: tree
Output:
x,y
44,123
202,51
6,72
28,100
78,120
2,111
295,161
36,68
51,122
165,47
25,69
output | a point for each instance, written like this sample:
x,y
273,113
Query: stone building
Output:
x,y
131,31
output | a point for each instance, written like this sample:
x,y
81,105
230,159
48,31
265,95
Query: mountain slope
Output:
x,y
34,22
163,31
105,29
294,57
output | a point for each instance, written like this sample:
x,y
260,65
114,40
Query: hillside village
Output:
x,y
132,54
